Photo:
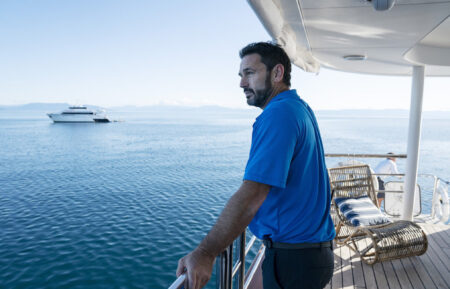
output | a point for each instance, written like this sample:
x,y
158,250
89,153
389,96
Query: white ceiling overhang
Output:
x,y
321,32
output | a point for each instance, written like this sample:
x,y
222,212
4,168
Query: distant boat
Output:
x,y
78,114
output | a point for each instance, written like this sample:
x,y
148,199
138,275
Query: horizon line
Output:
x,y
209,105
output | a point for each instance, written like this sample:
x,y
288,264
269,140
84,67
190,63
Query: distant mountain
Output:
x,y
376,113
42,107
163,110
34,110
364,113
151,108
184,111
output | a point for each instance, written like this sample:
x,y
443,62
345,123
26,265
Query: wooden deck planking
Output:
x,y
438,234
391,277
358,274
336,281
434,251
347,271
413,276
401,274
430,270
380,276
423,273
369,276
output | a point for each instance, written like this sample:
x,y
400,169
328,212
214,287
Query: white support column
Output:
x,y
415,124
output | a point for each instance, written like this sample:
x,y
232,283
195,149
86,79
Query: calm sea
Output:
x,y
116,205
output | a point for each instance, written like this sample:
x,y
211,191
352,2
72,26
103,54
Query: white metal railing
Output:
x,y
440,208
179,283
254,268
439,187
225,269
399,156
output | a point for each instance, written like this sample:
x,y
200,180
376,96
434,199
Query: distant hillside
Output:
x,y
183,111
376,113
176,108
42,107
364,113
34,110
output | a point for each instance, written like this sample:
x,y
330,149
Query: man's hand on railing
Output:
x,y
197,266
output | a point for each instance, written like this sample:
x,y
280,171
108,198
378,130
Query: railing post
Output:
x,y
242,261
219,272
230,267
226,267
433,201
222,270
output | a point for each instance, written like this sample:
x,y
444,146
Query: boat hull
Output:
x,y
76,118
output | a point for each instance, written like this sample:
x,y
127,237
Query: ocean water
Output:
x,y
116,205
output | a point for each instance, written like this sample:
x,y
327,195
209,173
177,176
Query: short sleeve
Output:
x,y
394,169
273,143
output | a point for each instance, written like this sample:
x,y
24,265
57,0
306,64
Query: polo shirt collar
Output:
x,y
292,93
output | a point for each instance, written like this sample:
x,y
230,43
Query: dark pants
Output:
x,y
380,195
298,268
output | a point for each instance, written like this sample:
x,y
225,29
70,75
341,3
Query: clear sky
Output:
x,y
146,52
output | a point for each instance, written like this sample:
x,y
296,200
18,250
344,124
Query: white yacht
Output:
x,y
78,113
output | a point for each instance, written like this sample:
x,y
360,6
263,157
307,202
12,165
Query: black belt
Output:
x,y
270,244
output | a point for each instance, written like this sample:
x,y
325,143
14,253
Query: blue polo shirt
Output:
x,y
287,154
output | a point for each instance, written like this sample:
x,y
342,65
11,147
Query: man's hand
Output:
x,y
235,217
197,266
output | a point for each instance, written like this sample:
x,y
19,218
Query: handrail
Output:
x,y
250,245
254,268
225,271
179,283
399,156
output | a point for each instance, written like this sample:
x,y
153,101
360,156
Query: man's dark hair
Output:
x,y
271,55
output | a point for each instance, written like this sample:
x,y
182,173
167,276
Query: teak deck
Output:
x,y
431,270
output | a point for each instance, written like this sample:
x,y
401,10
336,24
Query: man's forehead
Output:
x,y
251,61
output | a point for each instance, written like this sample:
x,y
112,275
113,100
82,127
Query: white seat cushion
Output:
x,y
361,211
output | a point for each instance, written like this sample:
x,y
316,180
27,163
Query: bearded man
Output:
x,y
285,194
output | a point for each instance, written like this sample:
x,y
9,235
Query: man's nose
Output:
x,y
243,83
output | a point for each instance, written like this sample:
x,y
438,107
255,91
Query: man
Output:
x,y
285,194
385,167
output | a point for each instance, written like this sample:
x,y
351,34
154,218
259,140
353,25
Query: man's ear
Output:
x,y
278,73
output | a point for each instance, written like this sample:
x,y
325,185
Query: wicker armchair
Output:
x,y
382,241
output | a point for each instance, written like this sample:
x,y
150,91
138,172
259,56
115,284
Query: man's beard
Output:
x,y
261,95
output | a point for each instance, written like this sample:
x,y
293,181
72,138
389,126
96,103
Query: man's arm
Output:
x,y
235,217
